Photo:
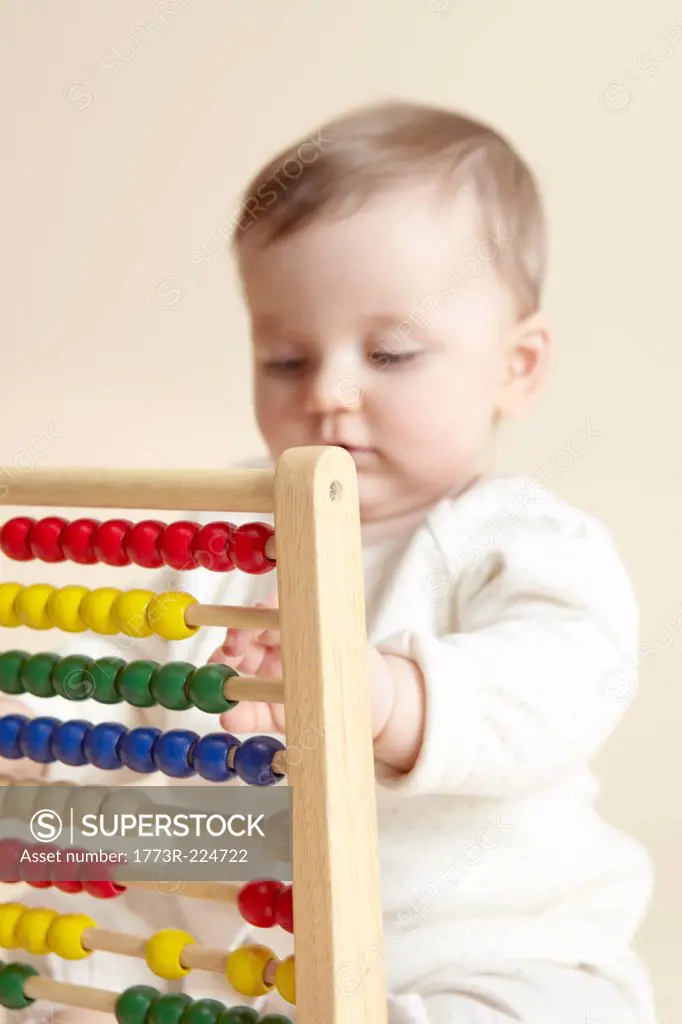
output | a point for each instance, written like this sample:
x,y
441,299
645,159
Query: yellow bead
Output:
x,y
63,608
285,979
245,968
10,915
162,953
97,608
130,612
64,936
32,929
31,606
166,615
8,595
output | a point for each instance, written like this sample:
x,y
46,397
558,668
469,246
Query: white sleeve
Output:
x,y
540,670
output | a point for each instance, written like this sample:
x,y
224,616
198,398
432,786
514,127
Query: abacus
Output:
x,y
334,897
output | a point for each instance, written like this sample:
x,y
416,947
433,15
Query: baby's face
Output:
x,y
383,332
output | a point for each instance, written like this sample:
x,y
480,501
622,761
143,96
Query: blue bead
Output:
x,y
173,753
137,747
253,760
67,742
210,756
11,728
101,744
36,739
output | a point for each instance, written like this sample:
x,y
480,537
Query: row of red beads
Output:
x,y
69,877
150,544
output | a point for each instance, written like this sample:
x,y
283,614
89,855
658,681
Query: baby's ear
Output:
x,y
527,363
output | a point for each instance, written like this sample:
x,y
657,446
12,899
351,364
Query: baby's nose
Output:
x,y
335,390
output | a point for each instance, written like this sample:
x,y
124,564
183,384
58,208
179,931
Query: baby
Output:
x,y
393,282
392,265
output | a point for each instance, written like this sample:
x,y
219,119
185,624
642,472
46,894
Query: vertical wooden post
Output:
x,y
337,905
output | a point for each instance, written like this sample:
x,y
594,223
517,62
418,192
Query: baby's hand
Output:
x,y
253,652
256,652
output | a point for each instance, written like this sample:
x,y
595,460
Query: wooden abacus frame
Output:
x,y
312,493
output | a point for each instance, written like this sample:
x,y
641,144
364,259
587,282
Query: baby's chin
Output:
x,y
388,492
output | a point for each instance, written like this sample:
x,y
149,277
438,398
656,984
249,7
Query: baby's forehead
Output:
x,y
394,249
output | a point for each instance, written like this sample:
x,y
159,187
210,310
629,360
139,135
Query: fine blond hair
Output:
x,y
360,154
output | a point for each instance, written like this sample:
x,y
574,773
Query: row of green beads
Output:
x,y
177,685
143,1004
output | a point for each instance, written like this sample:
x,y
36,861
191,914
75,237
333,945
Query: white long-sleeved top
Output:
x,y
521,617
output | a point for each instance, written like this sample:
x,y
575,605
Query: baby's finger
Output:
x,y
270,638
220,658
271,665
249,716
238,641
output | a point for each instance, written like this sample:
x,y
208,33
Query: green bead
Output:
x,y
104,673
36,674
133,682
70,677
238,1015
168,1009
13,977
133,1004
10,671
205,688
168,685
204,1011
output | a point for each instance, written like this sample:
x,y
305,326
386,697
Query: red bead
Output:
x,y
45,539
14,539
109,542
65,886
256,902
212,545
284,909
142,544
31,872
66,876
10,866
248,548
78,541
103,890
34,874
175,545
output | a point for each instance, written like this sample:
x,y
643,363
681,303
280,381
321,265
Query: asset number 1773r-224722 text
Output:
x,y
155,856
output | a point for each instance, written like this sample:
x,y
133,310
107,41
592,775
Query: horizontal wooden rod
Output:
x,y
268,691
232,616
63,992
194,956
216,892
100,999
192,490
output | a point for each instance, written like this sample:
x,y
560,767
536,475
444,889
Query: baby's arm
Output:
x,y
541,669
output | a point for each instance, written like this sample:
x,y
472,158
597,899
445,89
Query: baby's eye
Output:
x,y
285,367
381,359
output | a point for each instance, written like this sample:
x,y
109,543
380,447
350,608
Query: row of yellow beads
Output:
x,y
251,970
41,931
107,610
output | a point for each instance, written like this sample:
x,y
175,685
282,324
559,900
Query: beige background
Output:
x,y
127,132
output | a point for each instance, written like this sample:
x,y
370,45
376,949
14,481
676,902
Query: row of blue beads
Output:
x,y
178,753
